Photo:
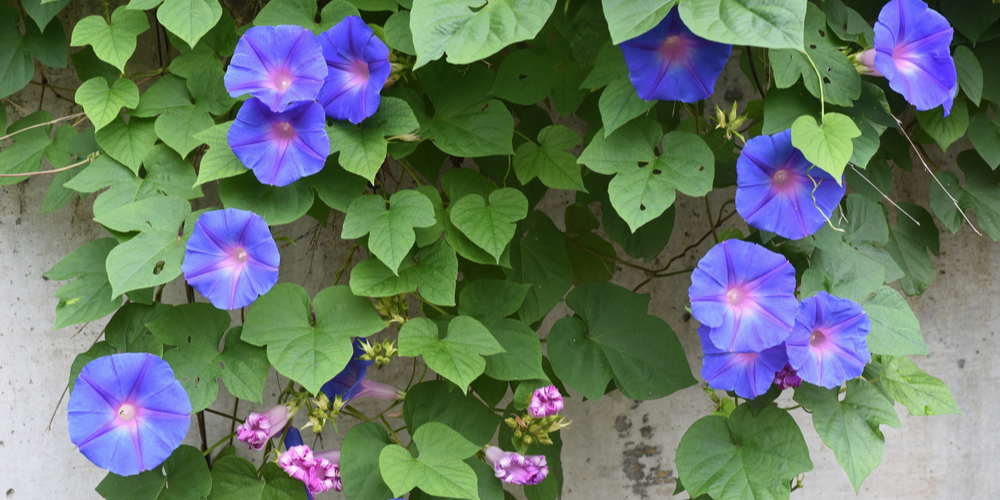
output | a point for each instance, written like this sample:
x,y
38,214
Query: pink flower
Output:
x,y
545,401
515,468
259,427
787,377
319,471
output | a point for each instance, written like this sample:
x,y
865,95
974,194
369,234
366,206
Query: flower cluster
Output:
x,y
128,413
754,332
912,50
297,79
515,468
541,419
261,427
671,63
319,470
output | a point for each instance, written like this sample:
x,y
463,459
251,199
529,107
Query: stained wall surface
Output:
x,y
616,448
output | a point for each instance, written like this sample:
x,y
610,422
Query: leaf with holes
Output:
x,y
154,256
458,356
309,344
390,229
197,331
491,227
88,296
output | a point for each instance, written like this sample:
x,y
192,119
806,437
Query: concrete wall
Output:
x,y
615,449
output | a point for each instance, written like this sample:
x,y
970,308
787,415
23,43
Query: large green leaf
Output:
x,y
850,427
619,104
303,13
774,24
491,227
359,462
16,67
841,82
277,205
540,258
189,19
548,159
435,274
127,331
744,456
363,147
113,43
43,12
469,33
197,330
390,229
984,134
458,356
47,43
908,245
183,476
88,296
970,73
922,394
490,300
235,478
28,148
310,344
98,350
643,354
841,270
337,187
628,19
438,469
219,162
827,145
979,192
102,103
593,258
895,329
128,142
945,129
442,402
178,126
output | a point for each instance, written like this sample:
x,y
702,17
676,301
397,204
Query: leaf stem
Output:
x,y
708,212
822,99
55,171
753,71
216,445
57,120
219,413
391,431
409,170
347,262
518,132
436,308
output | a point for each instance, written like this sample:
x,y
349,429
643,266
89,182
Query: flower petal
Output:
x,y
278,65
749,374
358,67
839,351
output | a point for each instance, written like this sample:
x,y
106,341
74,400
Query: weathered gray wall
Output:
x,y
615,449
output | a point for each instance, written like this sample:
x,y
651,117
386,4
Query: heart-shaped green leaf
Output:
x,y
390,229
439,468
458,356
102,103
113,43
491,227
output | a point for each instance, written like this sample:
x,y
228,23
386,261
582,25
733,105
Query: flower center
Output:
x,y
673,47
736,296
783,180
360,73
817,338
283,131
282,79
238,255
126,413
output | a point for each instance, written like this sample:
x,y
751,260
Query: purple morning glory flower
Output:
x,y
912,50
260,427
319,470
515,468
128,413
750,374
787,377
545,401
828,344
278,65
744,293
358,66
351,383
775,188
280,148
671,63
231,258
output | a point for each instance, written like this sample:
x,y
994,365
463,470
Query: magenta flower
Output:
x,y
231,258
775,186
745,294
545,401
128,413
515,468
280,148
748,373
829,342
912,50
787,377
278,65
320,471
358,66
351,383
671,63
260,427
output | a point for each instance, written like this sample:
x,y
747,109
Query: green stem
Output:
x,y
529,139
391,431
409,170
216,445
219,413
708,211
347,262
822,99
436,308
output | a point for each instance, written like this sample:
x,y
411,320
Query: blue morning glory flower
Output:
x,y
775,186
351,383
829,342
358,66
750,374
671,63
231,258
912,50
745,294
280,148
128,413
278,65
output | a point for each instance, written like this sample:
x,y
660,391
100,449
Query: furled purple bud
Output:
x,y
545,401
319,471
787,378
515,468
260,427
